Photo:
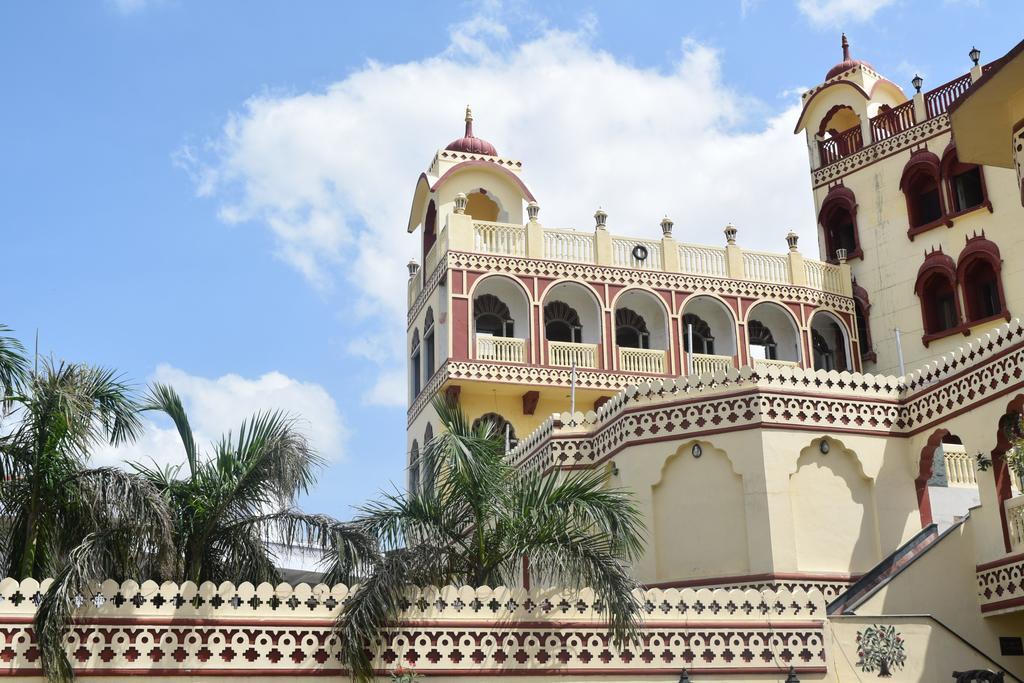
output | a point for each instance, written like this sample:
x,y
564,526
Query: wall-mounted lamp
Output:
x,y
697,451
684,677
823,447
791,678
615,469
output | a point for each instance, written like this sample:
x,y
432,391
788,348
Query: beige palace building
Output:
x,y
794,419
819,443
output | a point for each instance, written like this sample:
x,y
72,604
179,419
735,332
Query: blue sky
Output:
x,y
215,193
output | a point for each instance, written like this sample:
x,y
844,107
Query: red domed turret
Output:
x,y
471,144
847,63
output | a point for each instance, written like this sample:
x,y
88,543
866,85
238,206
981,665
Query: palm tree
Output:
x,y
483,522
228,506
59,517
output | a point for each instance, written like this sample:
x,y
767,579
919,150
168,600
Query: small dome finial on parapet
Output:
x,y
730,233
846,50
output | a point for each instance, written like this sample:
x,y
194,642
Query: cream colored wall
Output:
x,y
940,583
889,268
683,542
798,510
933,652
824,540
479,398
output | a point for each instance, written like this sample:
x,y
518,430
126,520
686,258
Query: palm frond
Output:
x,y
14,366
164,398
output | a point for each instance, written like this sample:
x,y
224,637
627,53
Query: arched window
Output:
x,y
920,186
562,323
862,307
838,220
491,316
481,207
762,343
427,474
414,364
979,270
429,231
828,343
964,182
428,343
414,468
500,428
703,340
631,330
936,288
824,358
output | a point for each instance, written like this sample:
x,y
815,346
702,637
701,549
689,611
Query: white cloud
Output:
x,y
835,12
331,172
216,406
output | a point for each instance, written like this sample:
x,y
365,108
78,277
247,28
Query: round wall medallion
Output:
x,y
823,447
697,450
640,252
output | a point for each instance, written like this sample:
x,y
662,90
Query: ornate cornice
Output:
x,y
682,282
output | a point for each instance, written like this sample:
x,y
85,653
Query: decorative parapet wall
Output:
x,y
187,630
736,399
1001,585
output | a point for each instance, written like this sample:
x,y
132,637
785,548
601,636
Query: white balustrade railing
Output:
x,y
697,259
567,354
824,276
499,238
762,364
626,252
569,245
959,466
1014,509
501,349
706,363
650,361
765,267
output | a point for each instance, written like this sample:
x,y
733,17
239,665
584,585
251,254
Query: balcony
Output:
x,y
707,364
569,354
648,361
500,349
664,255
889,122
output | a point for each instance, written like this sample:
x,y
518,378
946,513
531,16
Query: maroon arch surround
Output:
x,y
1000,470
951,167
476,163
980,252
923,170
838,205
861,314
924,473
937,280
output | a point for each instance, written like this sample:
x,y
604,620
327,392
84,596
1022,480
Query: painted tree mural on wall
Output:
x,y
880,648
